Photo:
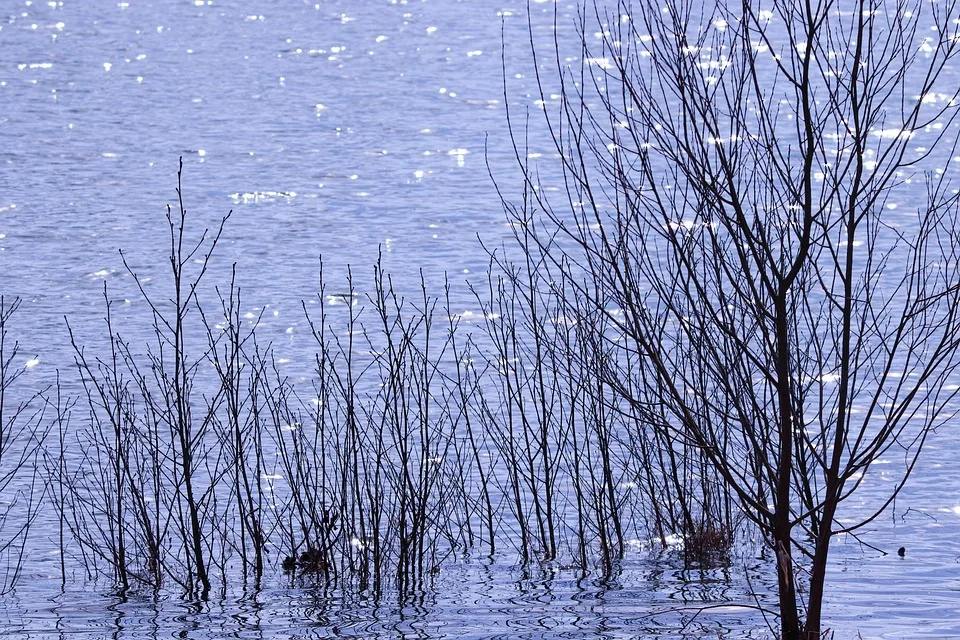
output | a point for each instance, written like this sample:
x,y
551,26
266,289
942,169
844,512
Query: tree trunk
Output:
x,y
818,571
789,618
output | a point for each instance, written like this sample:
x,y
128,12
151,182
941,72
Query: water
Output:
x,y
335,130
470,602
330,131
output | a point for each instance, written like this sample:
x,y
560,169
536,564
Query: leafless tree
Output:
x,y
756,195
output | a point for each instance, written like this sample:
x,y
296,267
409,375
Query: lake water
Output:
x,y
334,130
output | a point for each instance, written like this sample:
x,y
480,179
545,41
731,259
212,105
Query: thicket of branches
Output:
x,y
192,463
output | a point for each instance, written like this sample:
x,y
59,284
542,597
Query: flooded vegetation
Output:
x,y
697,379
423,436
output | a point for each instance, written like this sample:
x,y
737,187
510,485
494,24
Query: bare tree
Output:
x,y
757,198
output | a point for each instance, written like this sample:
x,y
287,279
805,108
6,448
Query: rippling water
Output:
x,y
330,129
335,129
479,600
